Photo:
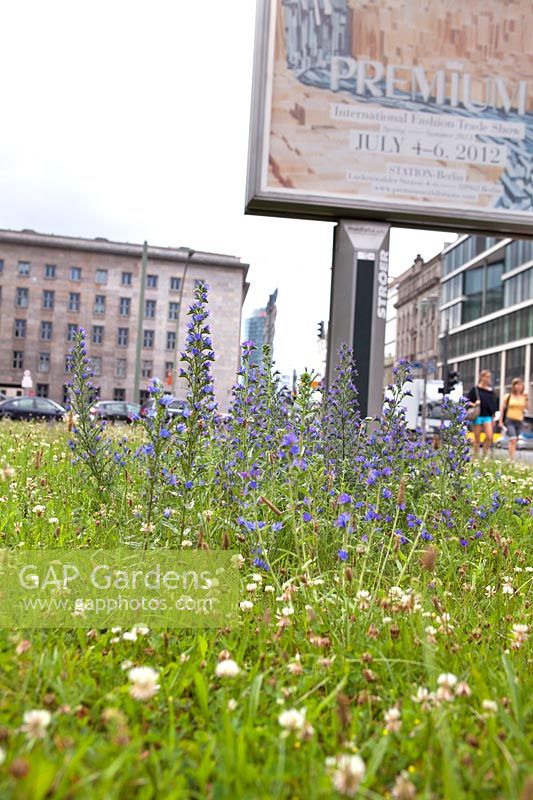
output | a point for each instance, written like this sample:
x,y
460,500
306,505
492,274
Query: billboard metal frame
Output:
x,y
288,202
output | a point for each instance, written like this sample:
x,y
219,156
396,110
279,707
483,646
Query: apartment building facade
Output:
x,y
417,309
50,286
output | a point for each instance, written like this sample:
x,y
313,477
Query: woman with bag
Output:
x,y
483,398
512,413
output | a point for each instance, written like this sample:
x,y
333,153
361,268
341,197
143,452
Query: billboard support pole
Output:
x,y
358,306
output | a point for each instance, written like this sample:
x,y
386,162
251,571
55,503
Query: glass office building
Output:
x,y
486,309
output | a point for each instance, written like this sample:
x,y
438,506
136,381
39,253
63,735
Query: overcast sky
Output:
x,y
129,120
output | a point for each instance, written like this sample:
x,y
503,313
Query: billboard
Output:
x,y
409,111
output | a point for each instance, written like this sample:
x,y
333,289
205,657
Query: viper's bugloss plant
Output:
x,y
198,418
90,446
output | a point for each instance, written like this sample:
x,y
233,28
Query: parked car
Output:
x,y
174,409
115,411
31,408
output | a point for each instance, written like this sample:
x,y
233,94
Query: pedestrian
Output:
x,y
483,397
512,412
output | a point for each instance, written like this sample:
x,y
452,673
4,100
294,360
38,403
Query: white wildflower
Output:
x,y
393,720
144,682
292,720
349,772
35,723
228,668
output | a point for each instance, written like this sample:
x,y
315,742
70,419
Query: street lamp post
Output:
x,y
190,253
140,318
424,306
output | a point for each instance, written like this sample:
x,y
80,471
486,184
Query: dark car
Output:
x,y
115,411
174,409
31,408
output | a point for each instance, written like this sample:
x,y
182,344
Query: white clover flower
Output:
x,y
257,577
251,587
287,611
403,788
144,682
520,634
393,719
292,720
295,666
246,605
350,771
446,682
130,636
126,665
39,510
53,520
140,630
232,704
490,706
186,543
423,697
507,586
269,589
463,689
35,723
447,679
363,599
228,668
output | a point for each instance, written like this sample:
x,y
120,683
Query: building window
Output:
x,y
122,337
173,310
171,340
96,364
149,309
43,364
120,367
175,284
49,270
100,276
74,301
169,366
72,330
21,297
66,394
151,281
148,339
45,333
1,265
23,268
18,359
20,328
147,369
41,390
99,304
75,273
124,306
119,394
126,279
97,334
519,288
48,299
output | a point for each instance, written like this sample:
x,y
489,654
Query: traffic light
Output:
x,y
451,379
321,331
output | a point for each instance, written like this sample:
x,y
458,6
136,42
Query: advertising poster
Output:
x,y
420,106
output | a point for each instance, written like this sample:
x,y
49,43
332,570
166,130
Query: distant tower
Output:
x,y
260,327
